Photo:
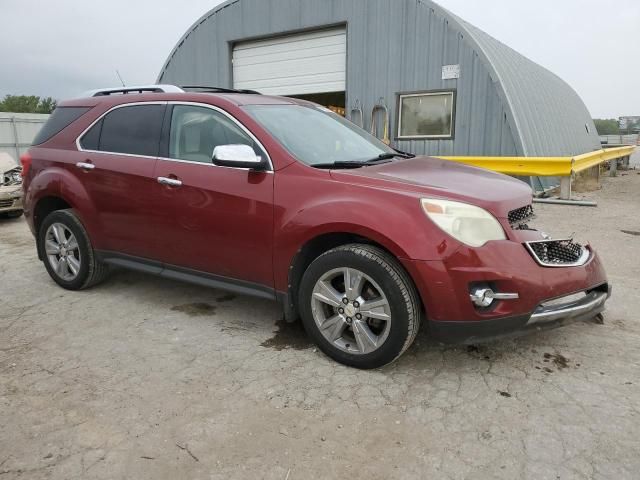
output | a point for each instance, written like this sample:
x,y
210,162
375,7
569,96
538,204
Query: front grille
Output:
x,y
6,203
518,218
557,253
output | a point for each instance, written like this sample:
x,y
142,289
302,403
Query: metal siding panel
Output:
x,y
392,46
17,131
479,95
549,114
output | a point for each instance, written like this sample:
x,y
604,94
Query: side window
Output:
x,y
60,119
91,139
134,130
197,131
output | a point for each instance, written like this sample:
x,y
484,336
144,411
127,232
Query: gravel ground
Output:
x,y
145,378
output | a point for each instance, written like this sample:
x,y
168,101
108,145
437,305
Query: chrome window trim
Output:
x,y
175,102
584,258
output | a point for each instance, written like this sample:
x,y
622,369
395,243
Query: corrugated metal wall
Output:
x,y
17,131
393,46
550,117
506,104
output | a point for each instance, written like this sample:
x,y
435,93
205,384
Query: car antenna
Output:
x,y
121,81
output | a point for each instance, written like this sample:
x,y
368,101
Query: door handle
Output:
x,y
85,166
170,182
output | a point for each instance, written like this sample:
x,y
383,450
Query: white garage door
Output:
x,y
293,65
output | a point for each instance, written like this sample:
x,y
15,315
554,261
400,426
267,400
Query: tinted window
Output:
x,y
60,119
196,131
134,130
91,139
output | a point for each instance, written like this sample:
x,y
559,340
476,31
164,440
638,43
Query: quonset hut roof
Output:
x,y
549,116
507,104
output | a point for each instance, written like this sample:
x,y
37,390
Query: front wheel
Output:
x,y
360,306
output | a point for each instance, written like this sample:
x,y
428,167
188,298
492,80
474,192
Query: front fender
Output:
x,y
308,209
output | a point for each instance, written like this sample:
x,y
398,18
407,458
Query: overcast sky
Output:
x,y
60,48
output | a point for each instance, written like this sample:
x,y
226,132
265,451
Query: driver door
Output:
x,y
217,220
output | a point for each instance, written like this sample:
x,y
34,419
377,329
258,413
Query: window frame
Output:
x,y
164,133
426,93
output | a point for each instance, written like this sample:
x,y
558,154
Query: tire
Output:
x,y
387,304
88,270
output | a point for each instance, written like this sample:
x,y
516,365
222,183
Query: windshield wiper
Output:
x,y
405,154
379,160
346,164
389,156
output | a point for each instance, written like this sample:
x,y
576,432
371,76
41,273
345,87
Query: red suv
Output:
x,y
282,199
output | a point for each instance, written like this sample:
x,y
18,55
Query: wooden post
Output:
x,y
565,188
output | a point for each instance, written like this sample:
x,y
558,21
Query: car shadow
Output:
x,y
262,317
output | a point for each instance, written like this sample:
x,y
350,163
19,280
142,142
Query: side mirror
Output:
x,y
238,156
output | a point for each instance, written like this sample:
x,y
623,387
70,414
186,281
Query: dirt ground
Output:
x,y
144,378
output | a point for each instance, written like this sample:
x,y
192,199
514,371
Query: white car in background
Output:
x,y
10,187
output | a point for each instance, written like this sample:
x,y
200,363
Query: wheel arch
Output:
x,y
322,241
57,189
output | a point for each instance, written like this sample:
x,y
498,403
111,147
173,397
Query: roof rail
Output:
x,y
104,92
207,89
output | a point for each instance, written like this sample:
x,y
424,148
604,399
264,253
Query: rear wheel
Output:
x,y
360,306
68,255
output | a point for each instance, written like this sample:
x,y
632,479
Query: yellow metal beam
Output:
x,y
588,160
544,166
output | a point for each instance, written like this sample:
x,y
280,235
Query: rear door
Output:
x,y
118,155
216,220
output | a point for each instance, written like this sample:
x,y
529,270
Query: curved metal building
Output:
x,y
448,87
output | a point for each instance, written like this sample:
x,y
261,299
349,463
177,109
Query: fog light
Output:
x,y
484,297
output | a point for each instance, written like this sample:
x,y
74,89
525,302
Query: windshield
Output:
x,y
317,136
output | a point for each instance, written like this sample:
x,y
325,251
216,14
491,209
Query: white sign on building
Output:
x,y
450,72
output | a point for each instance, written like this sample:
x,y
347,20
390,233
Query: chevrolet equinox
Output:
x,y
283,199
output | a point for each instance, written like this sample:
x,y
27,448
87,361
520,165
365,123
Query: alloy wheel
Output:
x,y
63,251
351,311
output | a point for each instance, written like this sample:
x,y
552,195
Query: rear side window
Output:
x,y
91,139
133,130
60,119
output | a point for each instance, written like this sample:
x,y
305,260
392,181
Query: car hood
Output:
x,y
433,177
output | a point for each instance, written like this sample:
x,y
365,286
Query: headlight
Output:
x,y
469,224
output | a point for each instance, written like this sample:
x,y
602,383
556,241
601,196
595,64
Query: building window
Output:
x,y
426,115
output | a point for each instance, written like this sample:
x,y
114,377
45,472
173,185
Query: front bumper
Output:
x,y
506,266
10,199
543,318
